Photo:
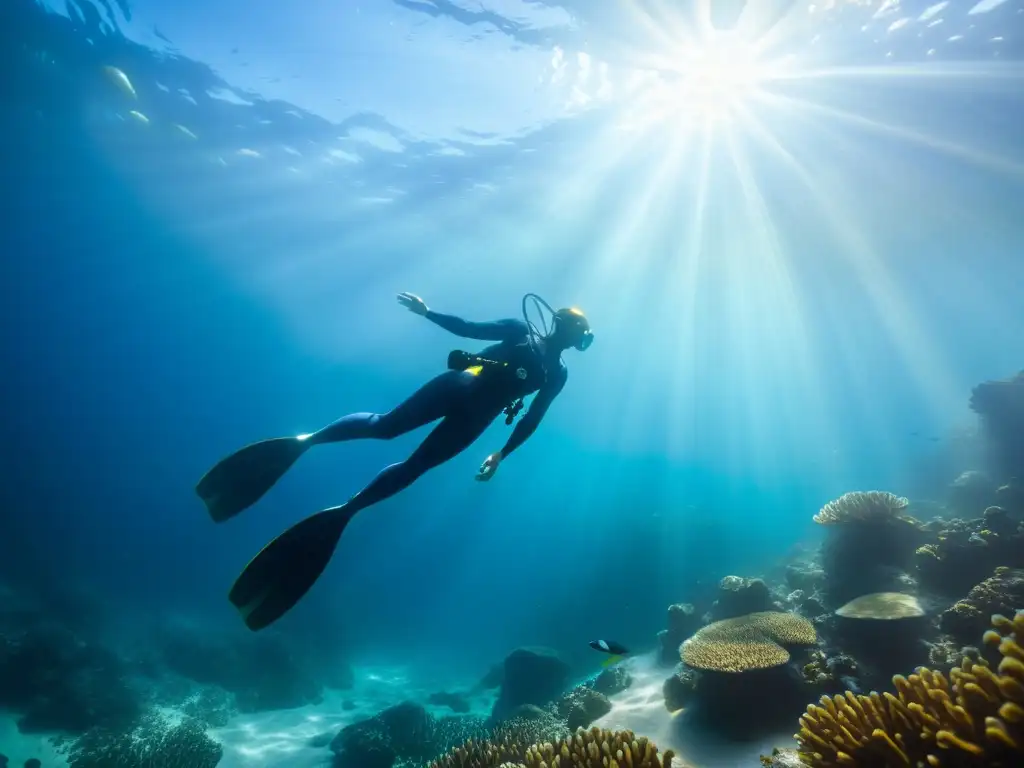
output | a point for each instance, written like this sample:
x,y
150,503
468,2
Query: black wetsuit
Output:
x,y
467,403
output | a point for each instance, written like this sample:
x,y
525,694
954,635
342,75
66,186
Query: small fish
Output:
x,y
139,116
120,79
616,651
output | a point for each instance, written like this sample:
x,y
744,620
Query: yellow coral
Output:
x,y
754,641
973,719
863,507
596,748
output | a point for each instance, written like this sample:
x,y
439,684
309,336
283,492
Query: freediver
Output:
x,y
467,397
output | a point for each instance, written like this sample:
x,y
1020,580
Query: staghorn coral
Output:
x,y
596,748
863,507
973,719
755,641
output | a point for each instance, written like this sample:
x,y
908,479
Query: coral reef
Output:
x,y
967,551
153,742
595,748
530,676
1001,593
869,546
738,596
974,718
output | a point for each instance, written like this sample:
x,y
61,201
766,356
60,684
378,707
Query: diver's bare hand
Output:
x,y
413,303
489,467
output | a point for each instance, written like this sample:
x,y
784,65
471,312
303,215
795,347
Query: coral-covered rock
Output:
x,y
679,688
531,676
612,680
967,619
582,706
738,596
683,621
403,731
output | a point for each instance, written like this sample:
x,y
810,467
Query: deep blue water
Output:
x,y
167,300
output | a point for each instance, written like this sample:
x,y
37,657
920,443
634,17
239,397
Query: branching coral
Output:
x,y
154,743
755,641
595,748
973,719
863,507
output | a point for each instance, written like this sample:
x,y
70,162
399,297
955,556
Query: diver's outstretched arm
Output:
x,y
498,330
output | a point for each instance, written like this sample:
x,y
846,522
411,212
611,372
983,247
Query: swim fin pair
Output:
x,y
285,569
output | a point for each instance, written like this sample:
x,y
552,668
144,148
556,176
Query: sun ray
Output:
x,y
924,361
790,343
685,278
931,70
987,160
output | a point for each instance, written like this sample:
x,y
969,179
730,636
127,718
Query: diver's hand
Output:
x,y
489,467
413,303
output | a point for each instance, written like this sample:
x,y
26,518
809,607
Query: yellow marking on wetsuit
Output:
x,y
474,370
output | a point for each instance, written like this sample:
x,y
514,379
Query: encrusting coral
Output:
x,y
973,719
863,507
754,641
595,748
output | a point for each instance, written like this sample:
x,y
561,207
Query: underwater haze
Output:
x,y
794,229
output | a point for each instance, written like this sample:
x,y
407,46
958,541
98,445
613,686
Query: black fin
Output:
x,y
238,481
284,570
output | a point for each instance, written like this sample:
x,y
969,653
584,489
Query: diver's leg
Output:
x,y
448,439
429,403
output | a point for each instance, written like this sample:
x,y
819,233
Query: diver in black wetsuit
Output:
x,y
466,398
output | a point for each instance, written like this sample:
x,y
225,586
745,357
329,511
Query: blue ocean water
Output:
x,y
795,271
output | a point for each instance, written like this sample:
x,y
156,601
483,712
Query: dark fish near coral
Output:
x,y
615,650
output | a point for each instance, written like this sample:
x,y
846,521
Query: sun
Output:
x,y
716,75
